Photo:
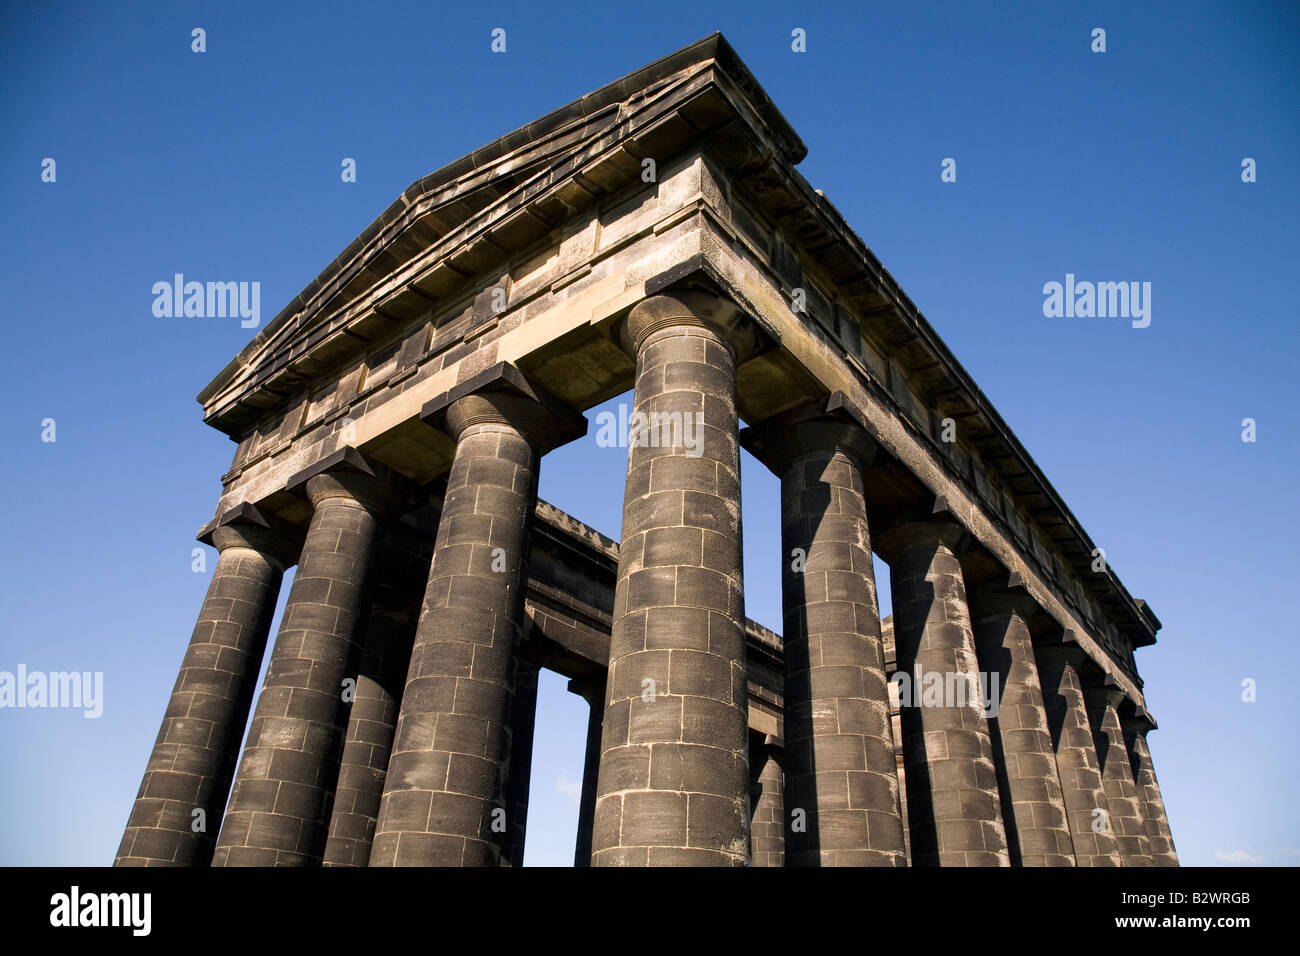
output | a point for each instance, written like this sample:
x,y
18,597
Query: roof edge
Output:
x,y
712,47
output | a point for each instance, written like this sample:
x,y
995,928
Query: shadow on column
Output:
x,y
916,767
801,761
998,663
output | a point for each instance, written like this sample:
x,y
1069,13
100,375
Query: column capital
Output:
x,y
504,395
1061,646
999,596
590,689
699,307
1103,690
347,473
826,425
194,756
1136,719
247,526
920,530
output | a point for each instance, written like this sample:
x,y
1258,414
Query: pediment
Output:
x,y
456,229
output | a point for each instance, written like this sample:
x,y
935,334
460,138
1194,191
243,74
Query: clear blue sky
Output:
x,y
225,165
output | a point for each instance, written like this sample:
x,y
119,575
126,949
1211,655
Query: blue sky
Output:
x,y
1115,166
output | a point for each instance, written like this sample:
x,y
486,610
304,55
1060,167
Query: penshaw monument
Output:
x,y
391,423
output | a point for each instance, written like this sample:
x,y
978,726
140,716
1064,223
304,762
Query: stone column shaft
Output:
x,y
767,829
952,791
445,799
523,720
444,796
593,691
372,721
1033,806
1159,837
841,780
1117,775
194,757
1076,757
282,799
674,779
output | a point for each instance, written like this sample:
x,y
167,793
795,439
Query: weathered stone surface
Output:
x,y
445,799
767,827
841,785
282,799
535,254
1091,829
178,810
954,813
1102,698
1033,807
1137,723
593,692
523,718
674,778
372,718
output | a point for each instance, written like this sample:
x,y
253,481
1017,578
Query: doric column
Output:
x,y
952,789
523,719
674,778
281,802
839,767
593,692
1102,696
767,826
372,717
1136,723
896,725
444,801
1058,659
1033,807
177,812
